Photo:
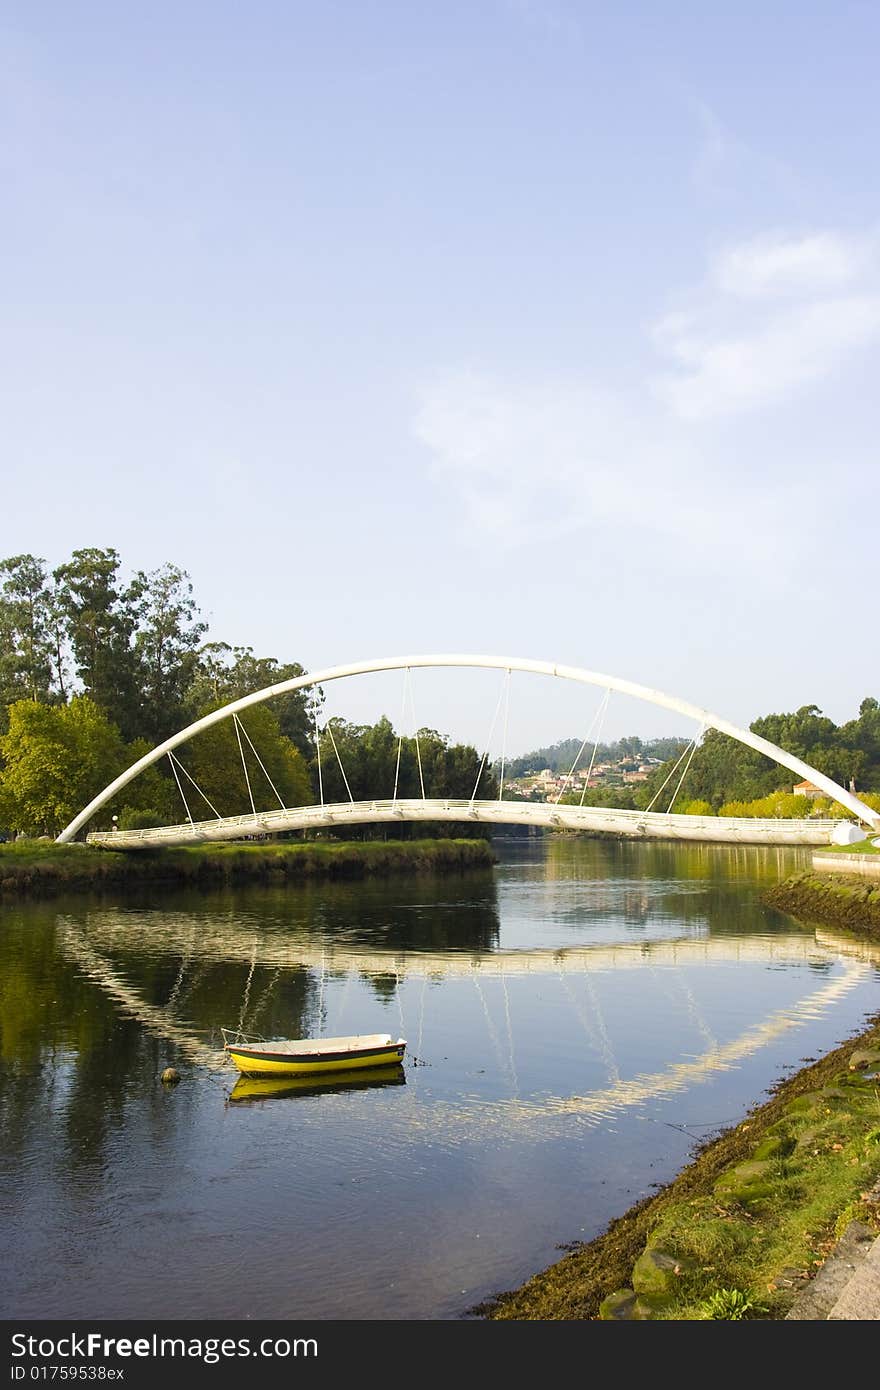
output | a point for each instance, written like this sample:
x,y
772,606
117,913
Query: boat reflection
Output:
x,y
249,1088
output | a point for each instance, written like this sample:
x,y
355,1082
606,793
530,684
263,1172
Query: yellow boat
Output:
x,y
251,1088
312,1056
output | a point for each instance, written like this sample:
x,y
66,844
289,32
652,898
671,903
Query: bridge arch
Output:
x,y
501,663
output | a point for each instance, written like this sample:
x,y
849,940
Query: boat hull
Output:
x,y
251,1062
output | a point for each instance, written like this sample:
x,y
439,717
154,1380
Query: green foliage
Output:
x,y
132,819
369,755
101,617
733,778
165,649
214,761
31,659
778,805
223,673
730,1304
56,758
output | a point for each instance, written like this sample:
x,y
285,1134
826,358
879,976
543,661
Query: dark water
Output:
x,y
576,1021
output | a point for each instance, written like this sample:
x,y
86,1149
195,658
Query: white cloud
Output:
x,y
666,460
730,371
530,464
779,265
770,318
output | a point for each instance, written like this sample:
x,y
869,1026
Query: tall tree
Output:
x,y
30,668
225,673
369,755
166,647
101,616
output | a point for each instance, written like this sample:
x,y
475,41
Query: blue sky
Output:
x,y
542,329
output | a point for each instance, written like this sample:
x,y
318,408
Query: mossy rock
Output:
x,y
773,1146
625,1305
746,1183
753,1170
750,1194
658,1271
813,1100
864,1058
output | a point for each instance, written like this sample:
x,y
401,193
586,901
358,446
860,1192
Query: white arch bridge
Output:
x,y
648,824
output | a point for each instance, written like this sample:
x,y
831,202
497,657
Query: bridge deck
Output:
x,y
629,824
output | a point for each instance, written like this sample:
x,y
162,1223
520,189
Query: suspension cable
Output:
x,y
601,713
488,743
318,751
262,764
339,760
670,774
172,760
400,736
696,740
577,757
244,764
195,784
412,705
504,735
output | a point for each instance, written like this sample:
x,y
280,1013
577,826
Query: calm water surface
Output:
x,y
576,1021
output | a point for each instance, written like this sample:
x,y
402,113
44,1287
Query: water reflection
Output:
x,y
556,1006
249,1088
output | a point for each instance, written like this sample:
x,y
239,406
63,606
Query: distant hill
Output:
x,y
560,756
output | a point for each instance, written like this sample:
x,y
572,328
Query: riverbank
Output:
x,y
832,899
743,1228
41,869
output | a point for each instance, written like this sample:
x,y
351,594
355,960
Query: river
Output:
x,y
576,1021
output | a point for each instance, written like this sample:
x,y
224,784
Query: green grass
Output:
x,y
37,868
860,847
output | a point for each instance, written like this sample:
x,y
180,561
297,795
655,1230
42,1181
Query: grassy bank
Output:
x,y
860,847
746,1224
834,899
39,869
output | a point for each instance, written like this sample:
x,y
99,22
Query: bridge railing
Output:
x,y
493,812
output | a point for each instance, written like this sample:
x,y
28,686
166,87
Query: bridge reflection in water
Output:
x,y
102,950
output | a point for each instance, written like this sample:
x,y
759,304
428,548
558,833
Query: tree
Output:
x,y
166,648
56,758
369,755
214,761
101,617
31,664
223,673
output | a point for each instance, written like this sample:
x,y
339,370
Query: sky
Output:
x,y
537,329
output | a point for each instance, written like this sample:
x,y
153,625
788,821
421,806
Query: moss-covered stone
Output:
x,y
625,1305
657,1271
864,1059
774,1146
810,1100
746,1184
753,1170
619,1306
